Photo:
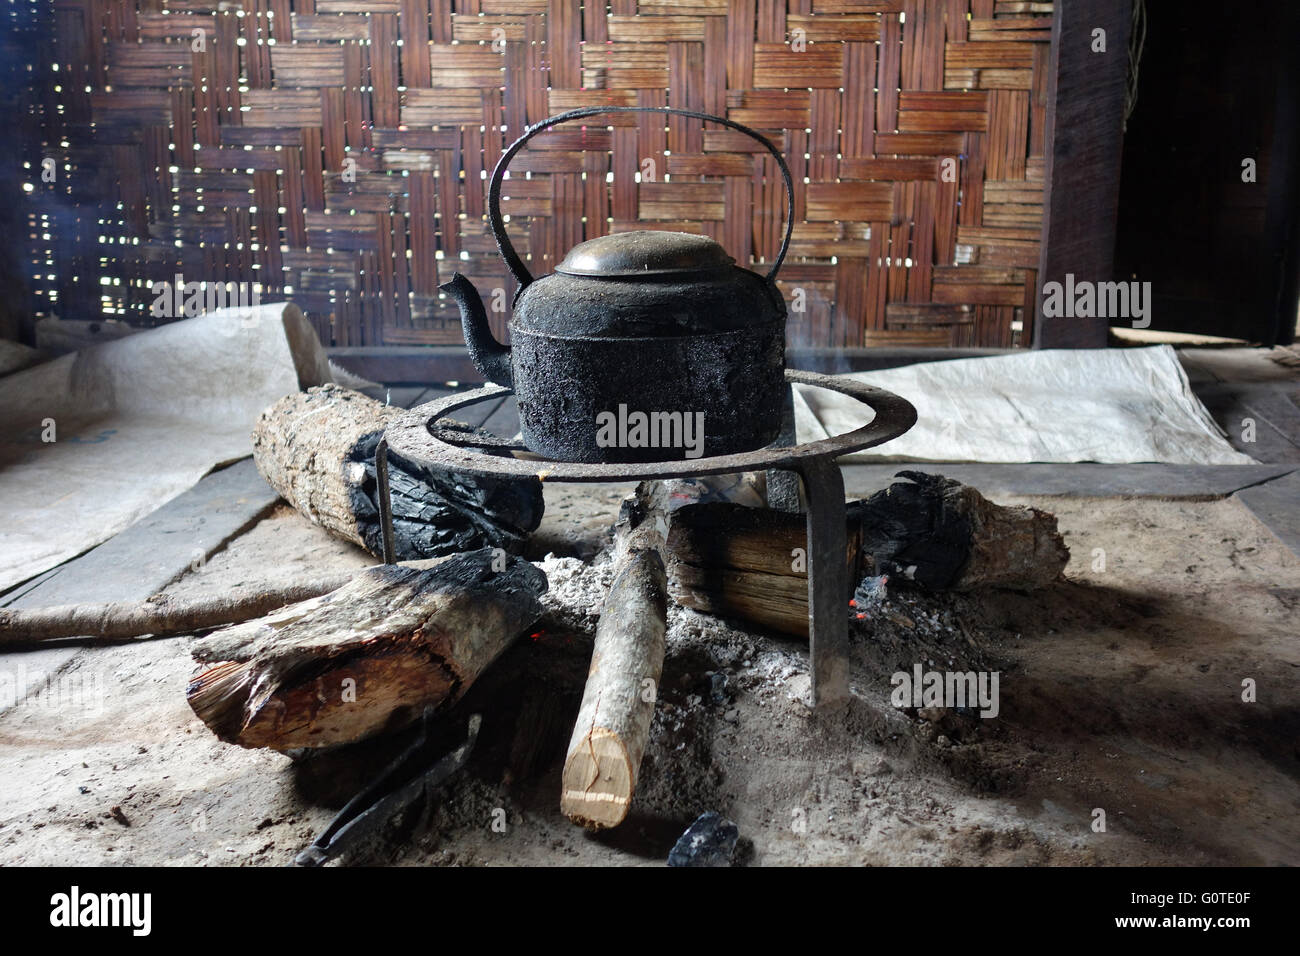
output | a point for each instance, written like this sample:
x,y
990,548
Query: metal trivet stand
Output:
x,y
417,437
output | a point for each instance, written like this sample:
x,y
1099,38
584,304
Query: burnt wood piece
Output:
x,y
411,776
943,535
613,725
929,531
317,449
366,658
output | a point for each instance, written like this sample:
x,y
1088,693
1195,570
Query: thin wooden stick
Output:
x,y
613,726
162,615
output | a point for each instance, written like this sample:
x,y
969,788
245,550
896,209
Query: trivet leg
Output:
x,y
782,484
828,610
385,501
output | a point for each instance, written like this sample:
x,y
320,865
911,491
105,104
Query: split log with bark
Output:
x,y
928,531
613,726
317,449
366,658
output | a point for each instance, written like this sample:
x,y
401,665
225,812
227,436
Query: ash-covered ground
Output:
x,y
1119,690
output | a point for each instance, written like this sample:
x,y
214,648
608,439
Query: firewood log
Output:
x,y
946,536
317,449
929,531
746,563
366,658
613,725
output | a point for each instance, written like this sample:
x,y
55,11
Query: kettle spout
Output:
x,y
488,355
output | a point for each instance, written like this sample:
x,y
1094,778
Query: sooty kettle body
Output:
x,y
642,346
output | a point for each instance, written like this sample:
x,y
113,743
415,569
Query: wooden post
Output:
x,y
1085,140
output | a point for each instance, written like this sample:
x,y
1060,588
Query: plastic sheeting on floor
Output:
x,y
1067,405
94,440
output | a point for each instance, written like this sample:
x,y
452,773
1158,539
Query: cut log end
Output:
x,y
349,700
365,659
613,726
598,782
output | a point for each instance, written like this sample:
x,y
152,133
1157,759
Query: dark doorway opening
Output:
x,y
1217,86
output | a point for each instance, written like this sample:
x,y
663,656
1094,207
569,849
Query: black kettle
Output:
x,y
642,346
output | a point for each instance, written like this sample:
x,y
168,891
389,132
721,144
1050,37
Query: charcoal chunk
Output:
x,y
709,841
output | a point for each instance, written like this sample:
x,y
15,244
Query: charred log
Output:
x,y
317,449
929,531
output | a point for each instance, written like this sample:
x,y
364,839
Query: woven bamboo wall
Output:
x,y
304,149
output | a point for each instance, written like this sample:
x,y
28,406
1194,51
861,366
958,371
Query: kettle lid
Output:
x,y
644,253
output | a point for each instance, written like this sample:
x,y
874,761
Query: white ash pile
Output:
x,y
577,591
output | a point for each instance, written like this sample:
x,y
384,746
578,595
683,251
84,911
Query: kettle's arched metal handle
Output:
x,y
516,265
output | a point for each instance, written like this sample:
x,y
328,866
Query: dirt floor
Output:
x,y
1120,690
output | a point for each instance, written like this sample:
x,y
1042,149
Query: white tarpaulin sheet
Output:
x,y
135,422
1102,405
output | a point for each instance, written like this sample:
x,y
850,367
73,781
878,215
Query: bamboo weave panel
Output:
x,y
300,147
